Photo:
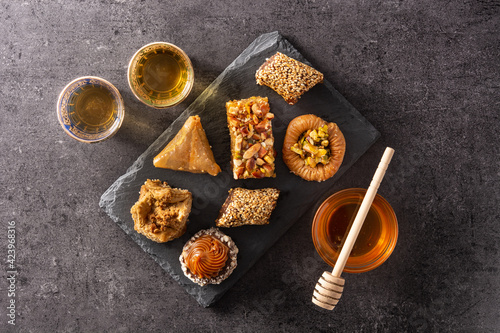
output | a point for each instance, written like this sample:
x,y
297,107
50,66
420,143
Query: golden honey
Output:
x,y
340,222
376,240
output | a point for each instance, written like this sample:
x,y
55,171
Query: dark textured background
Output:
x,y
425,74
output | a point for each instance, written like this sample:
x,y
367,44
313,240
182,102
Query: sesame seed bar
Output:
x,y
252,141
247,207
288,77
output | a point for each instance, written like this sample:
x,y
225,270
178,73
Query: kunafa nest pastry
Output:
x,y
209,257
313,148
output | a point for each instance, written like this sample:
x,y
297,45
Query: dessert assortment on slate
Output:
x,y
260,179
313,150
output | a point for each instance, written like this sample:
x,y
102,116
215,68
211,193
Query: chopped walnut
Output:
x,y
249,122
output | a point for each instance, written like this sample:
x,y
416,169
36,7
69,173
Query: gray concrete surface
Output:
x,y
425,73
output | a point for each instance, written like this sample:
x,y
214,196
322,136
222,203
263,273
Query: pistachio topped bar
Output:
x,y
252,141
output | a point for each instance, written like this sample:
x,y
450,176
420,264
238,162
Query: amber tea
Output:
x,y
94,109
376,238
160,75
90,109
162,72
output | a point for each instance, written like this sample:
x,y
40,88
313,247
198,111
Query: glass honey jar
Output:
x,y
376,240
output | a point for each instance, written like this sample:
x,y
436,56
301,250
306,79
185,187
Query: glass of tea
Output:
x,y
376,240
160,75
90,109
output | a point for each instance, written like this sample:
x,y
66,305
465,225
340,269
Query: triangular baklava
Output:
x,y
188,151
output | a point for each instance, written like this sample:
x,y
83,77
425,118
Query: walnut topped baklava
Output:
x,y
252,141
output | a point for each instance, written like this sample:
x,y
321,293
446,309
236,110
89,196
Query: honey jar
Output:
x,y
376,240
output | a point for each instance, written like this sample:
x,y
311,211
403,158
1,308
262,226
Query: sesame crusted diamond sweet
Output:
x,y
288,77
247,207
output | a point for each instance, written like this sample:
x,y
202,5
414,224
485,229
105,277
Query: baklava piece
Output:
x,y
188,151
161,212
247,207
209,257
313,149
252,141
288,77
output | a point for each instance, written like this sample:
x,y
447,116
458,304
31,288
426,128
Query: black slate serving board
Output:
x,y
237,81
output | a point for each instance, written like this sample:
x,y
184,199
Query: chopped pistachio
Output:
x,y
312,146
314,135
269,159
295,148
311,162
322,152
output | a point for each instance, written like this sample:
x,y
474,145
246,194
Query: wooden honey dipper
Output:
x,y
330,285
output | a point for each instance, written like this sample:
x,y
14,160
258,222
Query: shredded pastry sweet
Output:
x,y
288,77
188,151
313,149
247,207
161,212
209,257
252,141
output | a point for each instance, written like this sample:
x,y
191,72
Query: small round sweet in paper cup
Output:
x,y
160,75
90,109
209,257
